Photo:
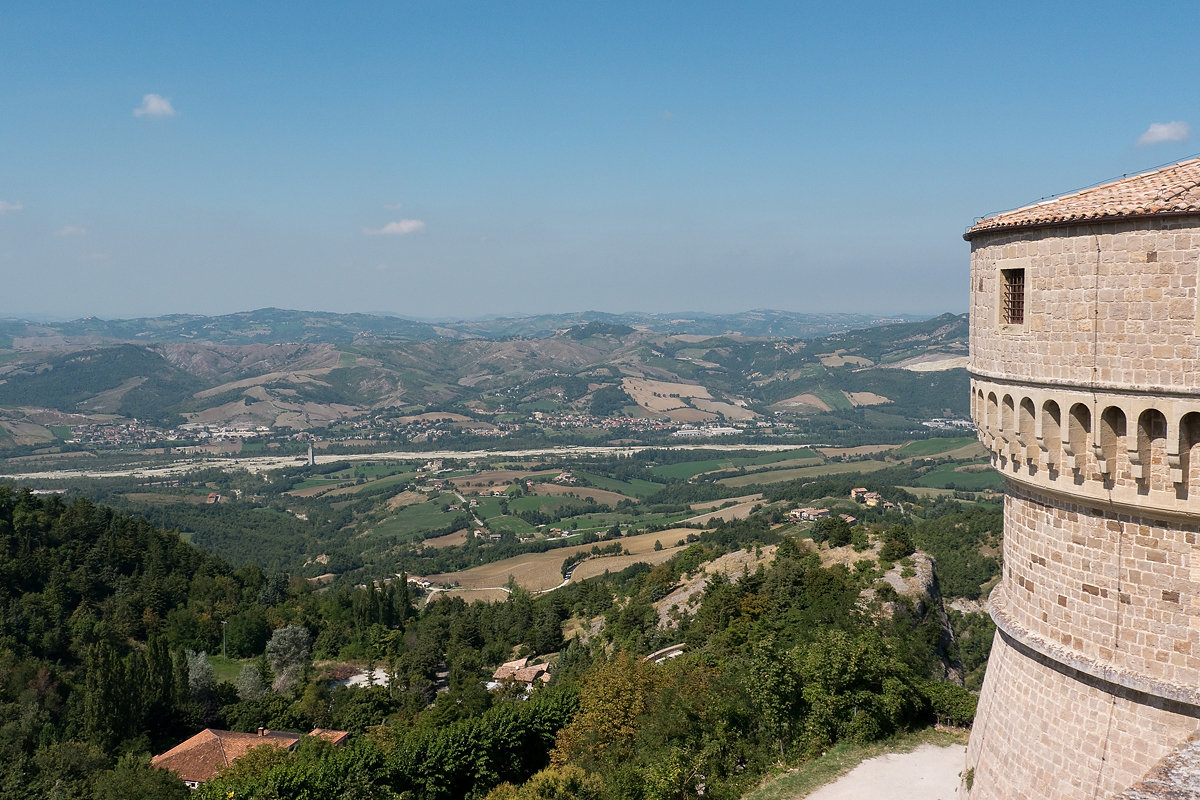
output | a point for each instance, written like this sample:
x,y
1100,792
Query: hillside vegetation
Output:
x,y
108,620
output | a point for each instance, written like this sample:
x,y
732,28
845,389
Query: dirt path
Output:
x,y
927,773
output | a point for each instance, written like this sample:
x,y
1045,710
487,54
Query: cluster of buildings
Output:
x,y
566,421
872,499
945,424
519,673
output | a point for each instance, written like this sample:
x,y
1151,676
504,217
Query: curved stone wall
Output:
x,y
1136,450
1085,363
1109,305
1109,594
1045,731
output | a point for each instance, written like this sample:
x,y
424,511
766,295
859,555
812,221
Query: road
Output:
x,y
265,463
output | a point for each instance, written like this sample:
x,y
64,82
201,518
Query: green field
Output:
x,y
932,447
687,469
945,476
545,503
309,483
381,483
488,507
634,488
782,475
225,669
417,518
927,491
376,471
514,524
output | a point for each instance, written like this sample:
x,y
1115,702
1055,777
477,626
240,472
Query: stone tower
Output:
x,y
1085,387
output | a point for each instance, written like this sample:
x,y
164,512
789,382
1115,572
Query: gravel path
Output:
x,y
927,773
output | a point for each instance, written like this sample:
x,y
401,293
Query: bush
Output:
x,y
950,704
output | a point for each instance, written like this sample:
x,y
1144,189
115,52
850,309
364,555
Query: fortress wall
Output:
x,y
1088,398
1138,329
1040,733
1114,589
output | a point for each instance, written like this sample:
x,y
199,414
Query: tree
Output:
x,y
835,530
854,688
250,684
287,653
612,697
134,779
246,633
897,543
553,783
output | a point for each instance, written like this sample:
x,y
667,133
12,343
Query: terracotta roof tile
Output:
x,y
508,669
210,751
335,738
1169,190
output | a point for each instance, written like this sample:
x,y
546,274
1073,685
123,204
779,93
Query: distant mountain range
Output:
x,y
274,325
289,370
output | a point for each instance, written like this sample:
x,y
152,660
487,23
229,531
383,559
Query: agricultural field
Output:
x,y
972,478
661,396
635,487
413,519
782,475
498,479
924,448
538,572
598,566
689,469
449,540
739,511
599,495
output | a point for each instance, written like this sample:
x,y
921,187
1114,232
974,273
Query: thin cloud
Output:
x,y
71,230
1160,132
402,227
7,207
154,105
394,206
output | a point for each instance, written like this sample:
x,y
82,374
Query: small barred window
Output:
x,y
1012,296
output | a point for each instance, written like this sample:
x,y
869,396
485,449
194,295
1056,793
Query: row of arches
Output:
x,y
1148,441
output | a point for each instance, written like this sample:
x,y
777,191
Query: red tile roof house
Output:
x,y
518,672
199,758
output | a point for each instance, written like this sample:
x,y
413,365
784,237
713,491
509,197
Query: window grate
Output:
x,y
1012,297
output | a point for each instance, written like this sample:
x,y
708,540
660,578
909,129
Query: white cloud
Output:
x,y
394,206
7,207
71,230
400,228
1160,132
154,105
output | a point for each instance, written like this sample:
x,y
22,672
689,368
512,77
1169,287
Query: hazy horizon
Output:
x,y
52,319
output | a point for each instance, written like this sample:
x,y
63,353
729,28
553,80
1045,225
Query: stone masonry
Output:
x,y
1085,366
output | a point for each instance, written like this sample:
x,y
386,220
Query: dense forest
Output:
x,y
109,628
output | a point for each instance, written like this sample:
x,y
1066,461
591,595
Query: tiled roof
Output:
x,y
335,738
508,669
1169,190
210,751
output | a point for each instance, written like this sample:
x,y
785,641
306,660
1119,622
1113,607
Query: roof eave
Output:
x,y
976,231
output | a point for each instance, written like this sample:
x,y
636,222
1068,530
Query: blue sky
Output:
x,y
450,160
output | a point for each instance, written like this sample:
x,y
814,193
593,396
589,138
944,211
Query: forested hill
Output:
x,y
105,621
